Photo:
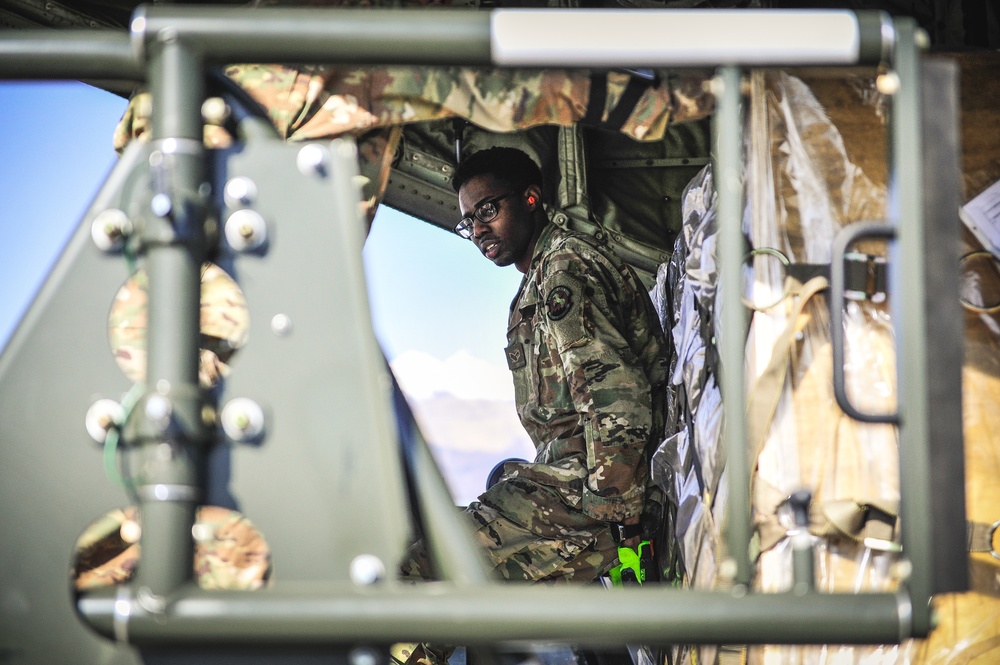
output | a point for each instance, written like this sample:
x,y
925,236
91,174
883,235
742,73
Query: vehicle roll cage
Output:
x,y
170,48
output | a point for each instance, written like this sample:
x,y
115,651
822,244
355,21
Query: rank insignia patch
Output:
x,y
515,356
559,302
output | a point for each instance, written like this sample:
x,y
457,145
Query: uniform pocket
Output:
x,y
520,555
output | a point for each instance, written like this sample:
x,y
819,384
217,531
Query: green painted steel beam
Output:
x,y
167,429
438,612
728,174
433,37
346,36
908,303
51,54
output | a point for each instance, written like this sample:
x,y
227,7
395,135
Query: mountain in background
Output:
x,y
465,409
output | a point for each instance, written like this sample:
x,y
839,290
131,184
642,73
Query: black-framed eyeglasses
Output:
x,y
485,212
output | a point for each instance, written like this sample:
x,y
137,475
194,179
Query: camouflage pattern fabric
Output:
x,y
371,104
230,553
548,551
225,324
589,363
313,102
589,366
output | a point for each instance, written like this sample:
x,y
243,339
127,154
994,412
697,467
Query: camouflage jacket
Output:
x,y
589,364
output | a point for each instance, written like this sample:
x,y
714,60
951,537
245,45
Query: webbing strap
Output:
x,y
596,99
979,537
869,522
619,115
762,402
623,109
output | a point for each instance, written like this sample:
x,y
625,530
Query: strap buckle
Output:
x,y
622,532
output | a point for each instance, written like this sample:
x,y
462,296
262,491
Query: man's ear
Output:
x,y
533,197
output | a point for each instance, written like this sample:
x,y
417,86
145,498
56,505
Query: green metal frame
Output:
x,y
331,401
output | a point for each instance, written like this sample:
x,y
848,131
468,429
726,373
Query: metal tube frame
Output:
x,y
178,42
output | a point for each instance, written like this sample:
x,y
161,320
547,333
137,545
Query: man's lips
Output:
x,y
489,247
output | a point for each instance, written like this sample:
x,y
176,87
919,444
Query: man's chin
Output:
x,y
503,260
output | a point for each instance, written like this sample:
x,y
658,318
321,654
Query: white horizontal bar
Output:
x,y
673,37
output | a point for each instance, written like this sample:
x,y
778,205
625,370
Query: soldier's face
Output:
x,y
509,237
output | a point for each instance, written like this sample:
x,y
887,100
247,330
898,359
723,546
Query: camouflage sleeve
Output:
x,y
607,382
323,102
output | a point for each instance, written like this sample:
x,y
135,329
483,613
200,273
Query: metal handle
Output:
x,y
847,237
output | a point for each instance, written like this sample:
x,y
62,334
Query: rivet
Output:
x,y
281,325
130,531
367,569
888,83
158,410
161,205
214,111
364,656
240,191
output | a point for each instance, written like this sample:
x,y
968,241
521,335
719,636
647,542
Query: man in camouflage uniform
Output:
x,y
589,366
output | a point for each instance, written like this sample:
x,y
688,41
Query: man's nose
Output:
x,y
479,227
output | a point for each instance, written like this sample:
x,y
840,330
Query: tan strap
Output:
x,y
762,402
873,523
979,537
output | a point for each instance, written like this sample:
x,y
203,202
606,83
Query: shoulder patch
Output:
x,y
559,302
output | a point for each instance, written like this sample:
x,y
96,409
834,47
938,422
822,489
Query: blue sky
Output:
x,y
431,291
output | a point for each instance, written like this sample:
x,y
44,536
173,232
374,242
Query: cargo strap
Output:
x,y
871,523
865,276
617,116
762,402
979,537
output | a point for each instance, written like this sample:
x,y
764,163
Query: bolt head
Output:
x,y
109,229
242,420
101,417
313,159
245,230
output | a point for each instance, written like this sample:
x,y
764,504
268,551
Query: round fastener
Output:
x,y
245,230
240,192
130,531
158,410
888,83
215,111
367,569
281,325
109,229
242,420
161,205
313,159
103,415
365,656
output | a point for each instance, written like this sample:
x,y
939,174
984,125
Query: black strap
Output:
x,y
596,99
862,273
622,532
623,109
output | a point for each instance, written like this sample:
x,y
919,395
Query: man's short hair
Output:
x,y
508,164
